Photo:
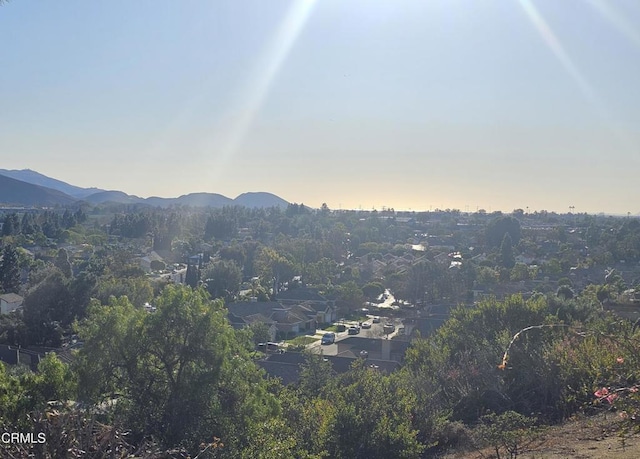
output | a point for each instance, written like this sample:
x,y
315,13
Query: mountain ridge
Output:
x,y
10,194
36,178
14,192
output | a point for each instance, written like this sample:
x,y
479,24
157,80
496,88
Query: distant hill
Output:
x,y
36,178
113,196
16,192
204,200
66,194
260,200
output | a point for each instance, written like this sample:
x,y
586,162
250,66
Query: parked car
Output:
x,y
388,328
376,320
353,330
269,347
328,338
366,325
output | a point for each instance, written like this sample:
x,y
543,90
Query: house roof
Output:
x,y
249,308
315,307
293,317
288,365
289,373
372,344
253,318
151,256
11,298
301,294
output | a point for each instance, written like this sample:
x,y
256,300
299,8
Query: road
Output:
x,y
376,331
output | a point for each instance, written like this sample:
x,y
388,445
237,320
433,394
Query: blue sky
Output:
x,y
408,104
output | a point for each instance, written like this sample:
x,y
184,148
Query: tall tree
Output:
x,y
11,225
48,308
192,276
62,262
9,270
507,258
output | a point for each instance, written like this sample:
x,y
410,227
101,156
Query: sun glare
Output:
x,y
617,20
259,82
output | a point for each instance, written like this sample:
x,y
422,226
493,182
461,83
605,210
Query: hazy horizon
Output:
x,y
410,105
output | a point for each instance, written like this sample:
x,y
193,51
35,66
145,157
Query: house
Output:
x,y
145,262
10,302
32,356
324,314
11,355
324,309
239,323
286,319
287,366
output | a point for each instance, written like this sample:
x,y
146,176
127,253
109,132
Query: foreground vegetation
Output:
x,y
181,381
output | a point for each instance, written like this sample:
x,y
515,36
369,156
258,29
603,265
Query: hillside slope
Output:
x,y
36,178
16,192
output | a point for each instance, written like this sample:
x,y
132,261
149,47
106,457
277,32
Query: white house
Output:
x,y
10,302
145,262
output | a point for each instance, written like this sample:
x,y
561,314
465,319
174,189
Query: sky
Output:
x,y
359,104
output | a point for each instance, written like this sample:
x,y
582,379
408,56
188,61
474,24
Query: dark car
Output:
x,y
328,338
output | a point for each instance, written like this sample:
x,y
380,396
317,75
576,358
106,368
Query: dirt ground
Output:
x,y
597,437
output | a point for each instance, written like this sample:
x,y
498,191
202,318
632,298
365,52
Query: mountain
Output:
x,y
191,199
36,178
16,192
260,200
113,196
214,200
204,200
64,193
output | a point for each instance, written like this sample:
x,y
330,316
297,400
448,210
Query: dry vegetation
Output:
x,y
599,436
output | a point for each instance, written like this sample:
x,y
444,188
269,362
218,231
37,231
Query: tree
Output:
x,y
315,375
192,276
373,290
507,259
223,279
181,374
260,332
48,308
350,295
62,262
273,268
498,227
510,431
566,292
11,225
9,270
137,289
372,417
